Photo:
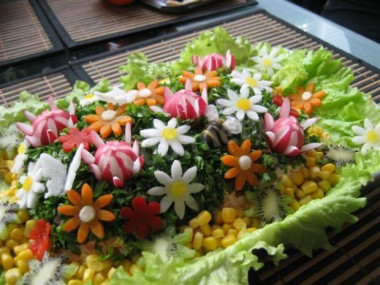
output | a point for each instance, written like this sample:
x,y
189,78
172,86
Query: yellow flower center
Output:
x,y
169,133
87,214
251,81
21,149
89,96
27,184
372,136
244,104
266,62
108,115
178,189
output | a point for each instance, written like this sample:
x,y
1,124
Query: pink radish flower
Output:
x,y
185,103
46,127
114,161
215,61
286,134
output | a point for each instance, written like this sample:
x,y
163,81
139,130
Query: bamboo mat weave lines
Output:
x,y
21,33
89,19
54,84
256,28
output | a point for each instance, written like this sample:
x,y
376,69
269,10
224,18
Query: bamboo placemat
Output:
x,y
259,27
355,257
55,84
85,21
21,32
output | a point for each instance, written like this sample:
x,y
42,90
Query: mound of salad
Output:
x,y
186,172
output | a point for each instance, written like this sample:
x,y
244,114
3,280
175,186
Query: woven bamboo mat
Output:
x,y
355,257
259,27
55,84
21,32
83,21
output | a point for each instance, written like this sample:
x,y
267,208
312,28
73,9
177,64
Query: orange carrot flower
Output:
x,y
86,213
305,99
151,95
200,80
241,159
105,121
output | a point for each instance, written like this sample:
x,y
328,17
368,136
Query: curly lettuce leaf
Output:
x,y
138,69
215,41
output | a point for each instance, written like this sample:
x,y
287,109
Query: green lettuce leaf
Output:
x,y
215,41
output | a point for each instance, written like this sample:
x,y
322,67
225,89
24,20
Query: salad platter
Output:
x,y
191,171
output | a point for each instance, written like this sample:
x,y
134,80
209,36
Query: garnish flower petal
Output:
x,y
200,80
74,138
268,62
246,79
368,136
177,189
306,99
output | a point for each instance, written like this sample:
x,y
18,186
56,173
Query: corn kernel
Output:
x,y
18,248
80,272
328,167
194,223
228,215
309,187
286,181
305,172
7,261
218,217
107,264
12,226
214,227
197,241
318,155
324,185
133,269
75,282
206,230
324,175
305,200
295,205
16,234
232,232
190,231
22,265
4,249
334,179
251,229
218,233
290,192
228,240
25,255
239,224
239,212
204,218
310,161
98,278
247,220
297,178
88,274
11,243
111,272
126,264
23,215
95,265
300,194
12,275
29,225
319,194
314,172
242,233
226,228
210,243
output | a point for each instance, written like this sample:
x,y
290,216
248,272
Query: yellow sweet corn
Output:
x,y
324,174
75,282
226,228
16,234
194,223
239,212
133,269
290,192
300,194
297,177
305,200
310,161
6,261
232,232
197,241
324,185
228,215
228,240
11,243
239,224
22,265
309,187
218,233
319,194
25,255
204,218
328,167
99,278
12,275
111,272
286,181
80,272
206,230
210,243
29,225
88,274
218,217
19,248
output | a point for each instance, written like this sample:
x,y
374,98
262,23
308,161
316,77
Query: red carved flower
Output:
x,y
40,235
142,218
74,138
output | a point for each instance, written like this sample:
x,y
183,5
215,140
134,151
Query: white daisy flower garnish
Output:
x,y
88,99
19,161
55,173
177,189
31,186
268,62
167,135
246,79
368,136
241,105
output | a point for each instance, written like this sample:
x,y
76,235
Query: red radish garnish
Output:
x,y
215,61
185,103
114,161
46,127
286,134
